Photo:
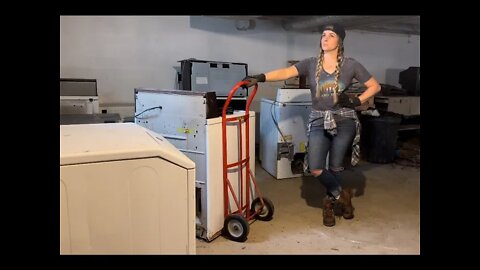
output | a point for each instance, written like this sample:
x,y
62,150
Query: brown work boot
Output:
x,y
328,215
345,202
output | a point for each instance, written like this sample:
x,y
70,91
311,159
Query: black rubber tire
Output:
x,y
236,228
267,212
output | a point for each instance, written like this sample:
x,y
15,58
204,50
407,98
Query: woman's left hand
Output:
x,y
350,102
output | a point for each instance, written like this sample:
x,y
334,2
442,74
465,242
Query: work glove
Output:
x,y
349,102
252,80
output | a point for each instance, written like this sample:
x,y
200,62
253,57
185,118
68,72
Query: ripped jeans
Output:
x,y
320,143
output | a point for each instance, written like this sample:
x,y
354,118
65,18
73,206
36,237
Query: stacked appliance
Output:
x,y
190,121
78,96
219,77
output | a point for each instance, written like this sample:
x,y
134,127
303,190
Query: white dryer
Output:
x,y
124,190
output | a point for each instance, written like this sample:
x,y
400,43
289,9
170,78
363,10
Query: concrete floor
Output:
x,y
387,216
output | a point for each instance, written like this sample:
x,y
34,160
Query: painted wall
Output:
x,y
124,52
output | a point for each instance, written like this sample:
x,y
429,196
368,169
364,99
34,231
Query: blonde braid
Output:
x,y
337,71
318,71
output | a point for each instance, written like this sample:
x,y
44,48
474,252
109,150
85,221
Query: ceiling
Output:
x,y
386,24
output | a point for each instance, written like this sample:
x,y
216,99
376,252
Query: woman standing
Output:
x,y
333,124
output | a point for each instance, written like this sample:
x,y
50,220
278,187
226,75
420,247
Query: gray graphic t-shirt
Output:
x,y
324,99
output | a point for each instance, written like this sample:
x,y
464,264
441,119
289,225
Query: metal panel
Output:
x,y
78,87
181,120
138,206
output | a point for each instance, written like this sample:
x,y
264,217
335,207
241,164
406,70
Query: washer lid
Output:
x,y
115,141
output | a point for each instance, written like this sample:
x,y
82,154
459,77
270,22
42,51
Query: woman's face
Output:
x,y
329,40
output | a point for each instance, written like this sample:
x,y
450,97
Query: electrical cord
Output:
x,y
275,120
146,110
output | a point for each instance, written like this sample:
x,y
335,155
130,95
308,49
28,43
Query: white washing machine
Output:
x,y
283,132
124,190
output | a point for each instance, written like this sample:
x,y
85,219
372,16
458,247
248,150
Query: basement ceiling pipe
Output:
x,y
349,22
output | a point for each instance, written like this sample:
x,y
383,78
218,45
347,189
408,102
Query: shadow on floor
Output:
x,y
313,192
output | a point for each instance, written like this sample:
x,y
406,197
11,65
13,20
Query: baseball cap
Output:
x,y
335,27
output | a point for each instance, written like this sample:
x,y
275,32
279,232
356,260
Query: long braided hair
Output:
x,y
319,68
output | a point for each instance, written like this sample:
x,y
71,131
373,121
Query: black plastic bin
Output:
x,y
379,137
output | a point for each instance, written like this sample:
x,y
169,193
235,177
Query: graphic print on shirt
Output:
x,y
327,88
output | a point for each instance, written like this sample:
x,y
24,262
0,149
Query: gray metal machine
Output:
x,y
202,76
190,121
78,96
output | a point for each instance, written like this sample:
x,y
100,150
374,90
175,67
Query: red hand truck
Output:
x,y
236,225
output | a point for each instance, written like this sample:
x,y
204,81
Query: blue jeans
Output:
x,y
321,143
